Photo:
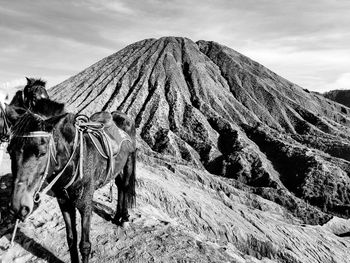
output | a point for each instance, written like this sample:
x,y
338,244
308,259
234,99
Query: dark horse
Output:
x,y
56,150
23,99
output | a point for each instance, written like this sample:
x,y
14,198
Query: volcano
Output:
x,y
236,164
205,105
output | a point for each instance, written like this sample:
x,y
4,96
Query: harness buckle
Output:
x,y
65,193
37,197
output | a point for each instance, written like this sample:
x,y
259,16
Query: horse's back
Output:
x,y
117,134
102,117
124,122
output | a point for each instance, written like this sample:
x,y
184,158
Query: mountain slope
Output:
x,y
183,216
239,157
206,105
340,96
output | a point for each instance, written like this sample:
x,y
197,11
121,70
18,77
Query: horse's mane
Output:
x,y
35,86
35,82
48,108
17,98
26,123
34,120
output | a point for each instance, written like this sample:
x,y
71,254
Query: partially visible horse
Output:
x,y
23,99
59,150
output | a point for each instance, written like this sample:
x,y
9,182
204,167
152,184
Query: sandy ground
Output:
x,y
151,235
182,216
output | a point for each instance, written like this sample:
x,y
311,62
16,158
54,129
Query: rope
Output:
x,y
50,185
14,233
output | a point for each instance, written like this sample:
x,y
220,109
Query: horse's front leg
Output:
x,y
69,216
85,244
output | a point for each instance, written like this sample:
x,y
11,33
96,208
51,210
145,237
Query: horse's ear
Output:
x,y
53,121
13,113
28,80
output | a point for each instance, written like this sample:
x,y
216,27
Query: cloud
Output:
x,y
342,82
59,20
8,89
14,84
316,70
109,6
305,41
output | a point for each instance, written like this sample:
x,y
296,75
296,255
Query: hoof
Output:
x,y
120,220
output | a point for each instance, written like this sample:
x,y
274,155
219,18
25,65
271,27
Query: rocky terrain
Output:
x,y
340,96
236,164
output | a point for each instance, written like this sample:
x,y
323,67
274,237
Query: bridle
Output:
x,y
52,155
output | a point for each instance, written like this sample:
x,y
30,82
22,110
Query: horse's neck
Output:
x,y
17,100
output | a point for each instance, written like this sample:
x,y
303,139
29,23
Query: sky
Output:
x,y
306,42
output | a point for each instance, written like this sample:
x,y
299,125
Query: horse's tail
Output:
x,y
131,190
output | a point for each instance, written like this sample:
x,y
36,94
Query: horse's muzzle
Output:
x,y
23,213
23,207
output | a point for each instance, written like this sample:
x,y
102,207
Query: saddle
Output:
x,y
108,146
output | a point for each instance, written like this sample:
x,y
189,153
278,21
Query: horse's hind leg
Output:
x,y
126,190
122,214
85,244
130,184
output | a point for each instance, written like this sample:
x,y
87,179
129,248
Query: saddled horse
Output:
x,y
59,150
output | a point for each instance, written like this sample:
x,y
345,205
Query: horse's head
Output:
x,y
33,149
34,90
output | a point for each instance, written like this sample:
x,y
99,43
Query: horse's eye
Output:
x,y
40,154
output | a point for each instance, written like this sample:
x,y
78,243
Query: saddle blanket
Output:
x,y
116,136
